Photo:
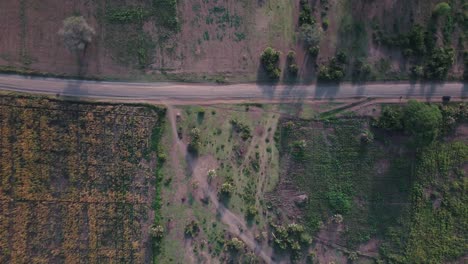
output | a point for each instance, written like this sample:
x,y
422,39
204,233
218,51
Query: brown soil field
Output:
x,y
217,40
77,181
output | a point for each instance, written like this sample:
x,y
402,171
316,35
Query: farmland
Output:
x,y
222,41
306,183
78,181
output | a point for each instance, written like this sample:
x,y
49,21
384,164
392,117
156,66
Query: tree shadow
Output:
x,y
464,93
74,88
326,90
308,69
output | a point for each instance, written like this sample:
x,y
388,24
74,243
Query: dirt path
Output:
x,y
237,226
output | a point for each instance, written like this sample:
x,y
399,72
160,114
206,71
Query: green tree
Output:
x,y
442,9
439,63
422,121
270,59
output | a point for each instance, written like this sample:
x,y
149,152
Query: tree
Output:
x,y
311,34
442,9
76,33
439,63
422,121
195,143
270,59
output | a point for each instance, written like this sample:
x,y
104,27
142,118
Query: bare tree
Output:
x,y
311,34
76,33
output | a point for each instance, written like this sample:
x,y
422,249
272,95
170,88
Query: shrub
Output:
x,y
417,72
362,71
235,244
211,174
391,118
325,23
251,211
291,56
226,189
127,15
314,50
293,69
195,143
192,229
339,202
241,128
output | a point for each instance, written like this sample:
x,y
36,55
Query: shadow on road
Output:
x,y
465,90
75,90
326,90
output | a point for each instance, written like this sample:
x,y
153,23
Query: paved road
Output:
x,y
201,92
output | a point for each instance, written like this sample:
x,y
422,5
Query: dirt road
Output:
x,y
185,92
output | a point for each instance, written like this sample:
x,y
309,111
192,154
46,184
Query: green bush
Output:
x,y
194,144
442,9
339,202
166,14
314,51
226,189
127,15
293,69
270,59
305,15
391,118
362,71
192,229
422,121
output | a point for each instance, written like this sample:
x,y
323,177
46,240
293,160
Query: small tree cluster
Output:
x,y
439,64
335,71
420,120
305,14
270,60
291,237
362,71
310,33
